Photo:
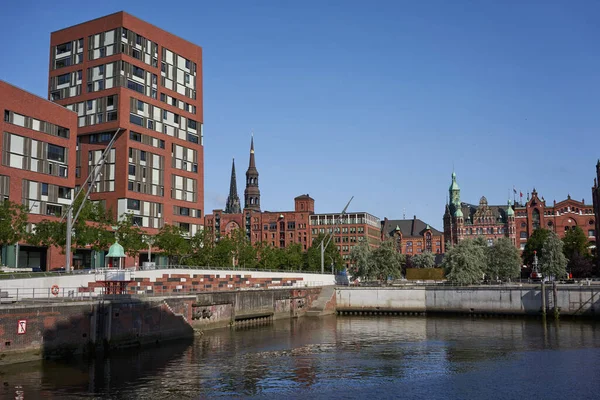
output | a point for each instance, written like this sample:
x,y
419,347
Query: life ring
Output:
x,y
54,290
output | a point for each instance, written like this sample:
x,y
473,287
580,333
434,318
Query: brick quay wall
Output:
x,y
36,330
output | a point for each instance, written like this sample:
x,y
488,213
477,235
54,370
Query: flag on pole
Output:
x,y
514,190
520,194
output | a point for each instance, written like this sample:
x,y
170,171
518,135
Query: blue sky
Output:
x,y
373,99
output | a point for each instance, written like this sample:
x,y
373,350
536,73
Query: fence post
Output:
x,y
17,294
33,293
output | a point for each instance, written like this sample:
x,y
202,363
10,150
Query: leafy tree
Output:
x,y
202,247
170,239
269,257
534,244
331,252
464,263
423,260
387,262
480,241
503,260
581,266
553,261
293,256
13,222
575,242
361,256
130,236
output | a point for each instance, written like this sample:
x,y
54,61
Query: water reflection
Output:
x,y
352,357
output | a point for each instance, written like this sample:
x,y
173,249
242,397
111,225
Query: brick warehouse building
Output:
x,y
596,202
37,169
276,228
283,228
463,220
120,73
412,236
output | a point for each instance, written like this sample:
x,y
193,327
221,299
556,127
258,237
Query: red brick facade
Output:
x,y
413,236
559,218
278,229
33,118
139,48
596,202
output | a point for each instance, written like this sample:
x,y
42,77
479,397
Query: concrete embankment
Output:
x,y
514,300
30,331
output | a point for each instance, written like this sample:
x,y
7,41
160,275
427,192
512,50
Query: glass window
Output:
x,y
64,192
44,189
135,119
131,169
133,204
56,153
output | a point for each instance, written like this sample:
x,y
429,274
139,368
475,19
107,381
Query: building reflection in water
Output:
x,y
301,355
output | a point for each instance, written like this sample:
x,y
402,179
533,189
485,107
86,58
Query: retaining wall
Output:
x,y
64,329
571,300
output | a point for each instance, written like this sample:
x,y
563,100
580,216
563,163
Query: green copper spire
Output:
x,y
510,212
454,191
458,212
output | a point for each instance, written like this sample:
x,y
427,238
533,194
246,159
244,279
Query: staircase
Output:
x,y
317,308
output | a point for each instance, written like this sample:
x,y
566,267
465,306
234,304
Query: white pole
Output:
x,y
17,255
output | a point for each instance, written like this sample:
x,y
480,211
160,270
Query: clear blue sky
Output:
x,y
373,99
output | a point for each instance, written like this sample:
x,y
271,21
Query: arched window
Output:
x,y
535,218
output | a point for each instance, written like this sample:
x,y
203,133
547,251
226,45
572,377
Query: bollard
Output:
x,y
555,298
543,301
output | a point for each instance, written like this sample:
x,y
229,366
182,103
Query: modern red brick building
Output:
x,y
412,236
348,230
121,74
37,169
596,202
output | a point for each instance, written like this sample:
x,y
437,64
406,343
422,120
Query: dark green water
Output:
x,y
343,357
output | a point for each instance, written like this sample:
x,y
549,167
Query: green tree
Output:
x,y
361,257
534,244
575,242
269,257
202,247
293,256
387,262
553,261
503,260
581,266
313,255
464,263
423,260
171,240
13,223
243,251
130,236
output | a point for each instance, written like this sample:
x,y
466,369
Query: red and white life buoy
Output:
x,y
54,290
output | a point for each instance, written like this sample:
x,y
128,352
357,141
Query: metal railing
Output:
x,y
42,274
72,294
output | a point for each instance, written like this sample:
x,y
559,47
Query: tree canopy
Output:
x,y
534,244
553,261
575,242
425,259
464,263
503,260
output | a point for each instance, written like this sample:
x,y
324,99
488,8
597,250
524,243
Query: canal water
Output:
x,y
340,358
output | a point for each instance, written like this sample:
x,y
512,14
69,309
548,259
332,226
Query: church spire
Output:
x,y
233,200
252,192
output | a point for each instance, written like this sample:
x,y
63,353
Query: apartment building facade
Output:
x,y
121,75
37,168
347,230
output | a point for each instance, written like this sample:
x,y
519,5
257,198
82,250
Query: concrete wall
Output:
x,y
571,300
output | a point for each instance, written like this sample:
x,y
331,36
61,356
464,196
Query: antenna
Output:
x,y
404,213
